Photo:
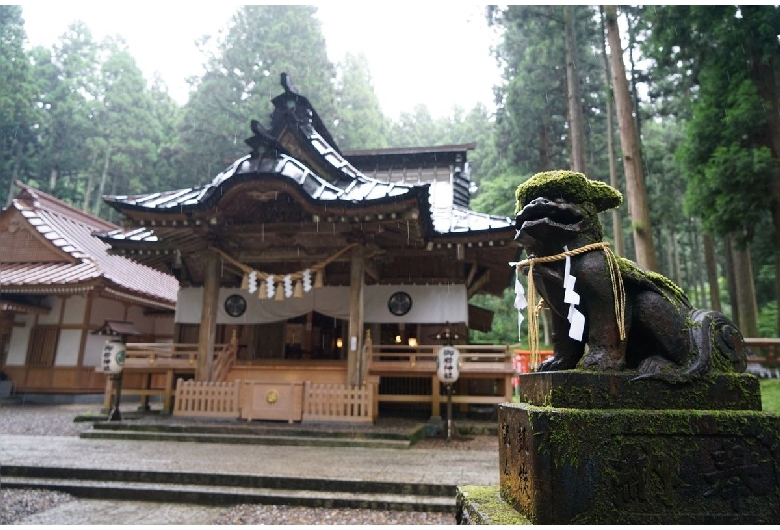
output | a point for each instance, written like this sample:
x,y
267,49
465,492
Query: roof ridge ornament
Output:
x,y
287,83
262,139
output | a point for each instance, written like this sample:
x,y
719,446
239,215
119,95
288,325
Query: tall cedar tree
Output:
x,y
635,183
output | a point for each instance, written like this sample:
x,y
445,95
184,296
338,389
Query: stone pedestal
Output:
x,y
595,449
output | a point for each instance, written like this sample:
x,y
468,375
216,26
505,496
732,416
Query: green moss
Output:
x,y
658,282
666,441
569,185
484,505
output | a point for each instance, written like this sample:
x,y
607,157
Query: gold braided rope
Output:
x,y
618,292
262,276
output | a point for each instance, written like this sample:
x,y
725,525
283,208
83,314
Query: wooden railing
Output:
x,y
337,402
196,399
764,350
421,360
179,356
763,362
225,360
142,355
150,369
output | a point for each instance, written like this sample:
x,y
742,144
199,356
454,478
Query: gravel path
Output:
x,y
57,420
15,504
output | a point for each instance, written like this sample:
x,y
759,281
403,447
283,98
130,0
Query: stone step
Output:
x,y
220,489
257,439
215,427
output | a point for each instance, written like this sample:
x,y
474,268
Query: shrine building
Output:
x,y
310,275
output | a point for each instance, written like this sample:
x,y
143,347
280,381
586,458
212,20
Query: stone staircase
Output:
x,y
230,432
230,489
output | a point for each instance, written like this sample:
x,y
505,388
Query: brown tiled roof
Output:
x,y
85,260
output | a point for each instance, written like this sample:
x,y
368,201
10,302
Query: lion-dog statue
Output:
x,y
663,336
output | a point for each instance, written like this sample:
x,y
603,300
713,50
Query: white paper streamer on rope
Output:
x,y
520,301
288,286
252,282
571,297
270,286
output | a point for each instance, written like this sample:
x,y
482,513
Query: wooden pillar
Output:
x,y
355,358
208,318
435,403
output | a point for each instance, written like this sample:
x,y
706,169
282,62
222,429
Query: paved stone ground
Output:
x,y
47,435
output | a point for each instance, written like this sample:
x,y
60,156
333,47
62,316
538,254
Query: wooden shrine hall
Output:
x,y
313,282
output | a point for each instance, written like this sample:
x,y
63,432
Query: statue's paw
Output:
x,y
553,364
602,360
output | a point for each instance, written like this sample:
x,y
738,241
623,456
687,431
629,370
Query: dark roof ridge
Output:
x,y
410,150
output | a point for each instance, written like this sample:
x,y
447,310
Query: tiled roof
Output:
x,y
321,171
457,220
182,200
71,231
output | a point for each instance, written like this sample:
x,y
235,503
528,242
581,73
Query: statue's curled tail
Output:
x,y
716,345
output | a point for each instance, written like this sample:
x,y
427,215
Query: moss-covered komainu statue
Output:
x,y
628,317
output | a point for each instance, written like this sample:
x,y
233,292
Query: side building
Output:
x,y
58,284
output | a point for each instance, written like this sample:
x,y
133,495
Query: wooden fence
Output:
x,y
339,402
197,399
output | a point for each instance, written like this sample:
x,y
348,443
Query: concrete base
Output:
x,y
628,466
596,448
562,466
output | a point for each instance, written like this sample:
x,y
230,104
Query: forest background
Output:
x,y
702,102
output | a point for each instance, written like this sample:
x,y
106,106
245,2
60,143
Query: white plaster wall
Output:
x,y
20,336
106,309
431,304
68,347
53,317
93,350
74,309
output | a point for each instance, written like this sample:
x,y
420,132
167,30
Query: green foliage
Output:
x,y
360,123
531,123
243,68
18,113
497,195
770,395
504,329
727,154
767,320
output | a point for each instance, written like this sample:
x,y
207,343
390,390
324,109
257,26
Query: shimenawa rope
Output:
x,y
618,292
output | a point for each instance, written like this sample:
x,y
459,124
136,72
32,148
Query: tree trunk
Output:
x,y
712,272
635,180
746,292
576,126
677,267
670,255
766,74
14,171
698,267
544,147
90,182
634,91
691,274
731,280
55,170
101,189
